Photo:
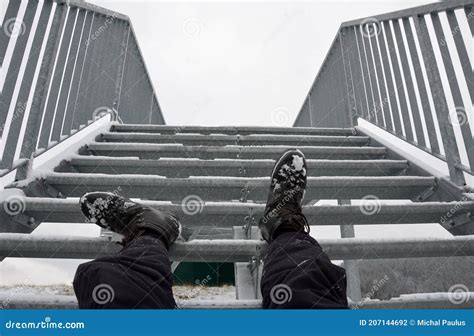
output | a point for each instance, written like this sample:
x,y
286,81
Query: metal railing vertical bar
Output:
x,y
397,72
365,73
345,109
459,115
469,10
52,95
413,120
79,117
462,51
44,78
67,126
11,77
390,87
25,96
117,70
93,95
374,98
11,12
13,115
349,48
101,98
425,104
354,288
439,98
349,76
392,80
330,82
379,103
114,59
60,109
111,61
360,70
59,73
384,108
84,47
120,73
65,49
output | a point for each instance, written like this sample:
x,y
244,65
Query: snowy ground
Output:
x,y
180,292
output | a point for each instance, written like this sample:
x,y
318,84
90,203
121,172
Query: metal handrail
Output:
x,y
87,63
376,65
409,12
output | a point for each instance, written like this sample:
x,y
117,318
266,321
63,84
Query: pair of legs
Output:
x,y
296,273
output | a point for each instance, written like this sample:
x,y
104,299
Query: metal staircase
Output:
x,y
69,64
216,180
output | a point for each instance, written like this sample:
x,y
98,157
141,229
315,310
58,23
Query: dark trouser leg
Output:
x,y
139,276
298,274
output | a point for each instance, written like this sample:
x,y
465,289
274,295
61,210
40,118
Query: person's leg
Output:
x,y
139,276
296,272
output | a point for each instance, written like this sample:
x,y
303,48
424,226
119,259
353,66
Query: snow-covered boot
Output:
x,y
130,219
283,212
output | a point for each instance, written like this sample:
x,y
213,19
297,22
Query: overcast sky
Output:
x,y
226,63
238,63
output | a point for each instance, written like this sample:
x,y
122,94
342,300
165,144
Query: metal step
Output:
x,y
214,188
18,245
238,140
418,301
249,168
227,215
155,151
243,130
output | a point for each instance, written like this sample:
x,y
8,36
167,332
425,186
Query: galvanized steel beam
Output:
x,y
213,188
420,301
170,167
243,130
225,214
239,140
16,245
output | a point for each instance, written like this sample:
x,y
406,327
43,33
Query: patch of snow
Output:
x,y
188,292
298,162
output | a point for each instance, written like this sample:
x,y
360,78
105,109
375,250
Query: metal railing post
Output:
x,y
352,269
441,106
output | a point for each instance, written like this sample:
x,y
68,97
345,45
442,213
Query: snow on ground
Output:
x,y
180,292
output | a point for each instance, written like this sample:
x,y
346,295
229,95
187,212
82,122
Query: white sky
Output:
x,y
226,63
238,63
